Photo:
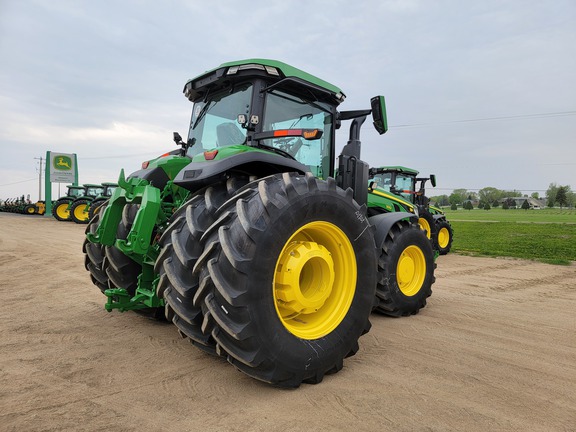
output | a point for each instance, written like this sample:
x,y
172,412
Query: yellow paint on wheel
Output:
x,y
81,212
443,237
425,226
315,280
62,211
411,270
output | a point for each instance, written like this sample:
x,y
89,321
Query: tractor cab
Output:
x,y
266,106
75,191
93,190
398,180
263,117
108,189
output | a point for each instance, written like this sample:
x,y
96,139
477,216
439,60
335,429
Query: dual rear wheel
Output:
x,y
278,275
280,278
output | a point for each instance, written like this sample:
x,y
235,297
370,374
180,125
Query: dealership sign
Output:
x,y
62,168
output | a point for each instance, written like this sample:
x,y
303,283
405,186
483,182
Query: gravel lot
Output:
x,y
494,350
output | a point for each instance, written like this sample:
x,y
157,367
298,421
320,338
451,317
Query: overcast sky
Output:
x,y
479,93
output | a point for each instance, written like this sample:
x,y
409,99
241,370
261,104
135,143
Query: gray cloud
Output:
x,y
104,80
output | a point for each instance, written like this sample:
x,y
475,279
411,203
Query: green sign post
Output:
x,y
60,168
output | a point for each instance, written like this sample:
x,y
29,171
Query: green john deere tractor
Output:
x,y
80,206
97,202
249,238
397,188
61,207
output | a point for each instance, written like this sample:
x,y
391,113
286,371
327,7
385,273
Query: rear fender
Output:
x,y
257,163
382,224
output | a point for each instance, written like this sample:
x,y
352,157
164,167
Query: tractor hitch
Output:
x,y
119,298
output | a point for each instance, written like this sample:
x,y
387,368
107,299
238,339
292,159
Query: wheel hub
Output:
x,y
304,278
314,280
62,211
80,212
411,270
443,237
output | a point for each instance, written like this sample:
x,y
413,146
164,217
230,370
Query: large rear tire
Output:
x,y
181,247
406,271
287,279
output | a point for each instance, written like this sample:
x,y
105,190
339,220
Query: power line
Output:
x,y
477,190
514,117
13,183
158,153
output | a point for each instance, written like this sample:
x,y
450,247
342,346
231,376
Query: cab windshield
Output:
x,y
402,185
94,191
214,121
286,111
405,186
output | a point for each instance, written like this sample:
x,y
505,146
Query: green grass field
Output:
x,y
547,235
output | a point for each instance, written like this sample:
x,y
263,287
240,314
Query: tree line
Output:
x,y
556,195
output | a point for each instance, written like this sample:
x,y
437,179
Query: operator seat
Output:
x,y
228,134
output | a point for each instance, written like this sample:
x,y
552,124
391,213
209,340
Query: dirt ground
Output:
x,y
494,350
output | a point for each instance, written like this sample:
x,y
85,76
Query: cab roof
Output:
x,y
272,69
398,168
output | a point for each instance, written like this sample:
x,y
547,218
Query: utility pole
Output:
x,y
40,179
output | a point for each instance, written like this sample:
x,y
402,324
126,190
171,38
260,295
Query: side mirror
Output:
x,y
433,180
379,114
177,138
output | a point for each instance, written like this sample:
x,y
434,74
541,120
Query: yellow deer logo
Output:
x,y
62,163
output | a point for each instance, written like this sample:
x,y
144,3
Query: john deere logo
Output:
x,y
62,163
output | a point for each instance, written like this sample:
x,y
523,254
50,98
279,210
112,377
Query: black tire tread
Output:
x,y
224,271
389,299
181,247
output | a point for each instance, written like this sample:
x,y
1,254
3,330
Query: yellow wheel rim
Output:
x,y
30,210
62,211
411,270
443,237
80,212
315,280
425,226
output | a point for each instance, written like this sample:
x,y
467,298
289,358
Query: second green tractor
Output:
x,y
398,188
253,237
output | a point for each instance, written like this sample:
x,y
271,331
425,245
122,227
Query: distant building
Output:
x,y
533,203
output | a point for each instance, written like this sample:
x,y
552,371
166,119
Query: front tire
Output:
x,y
444,236
95,207
122,270
406,271
79,212
287,279
94,258
426,222
60,210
